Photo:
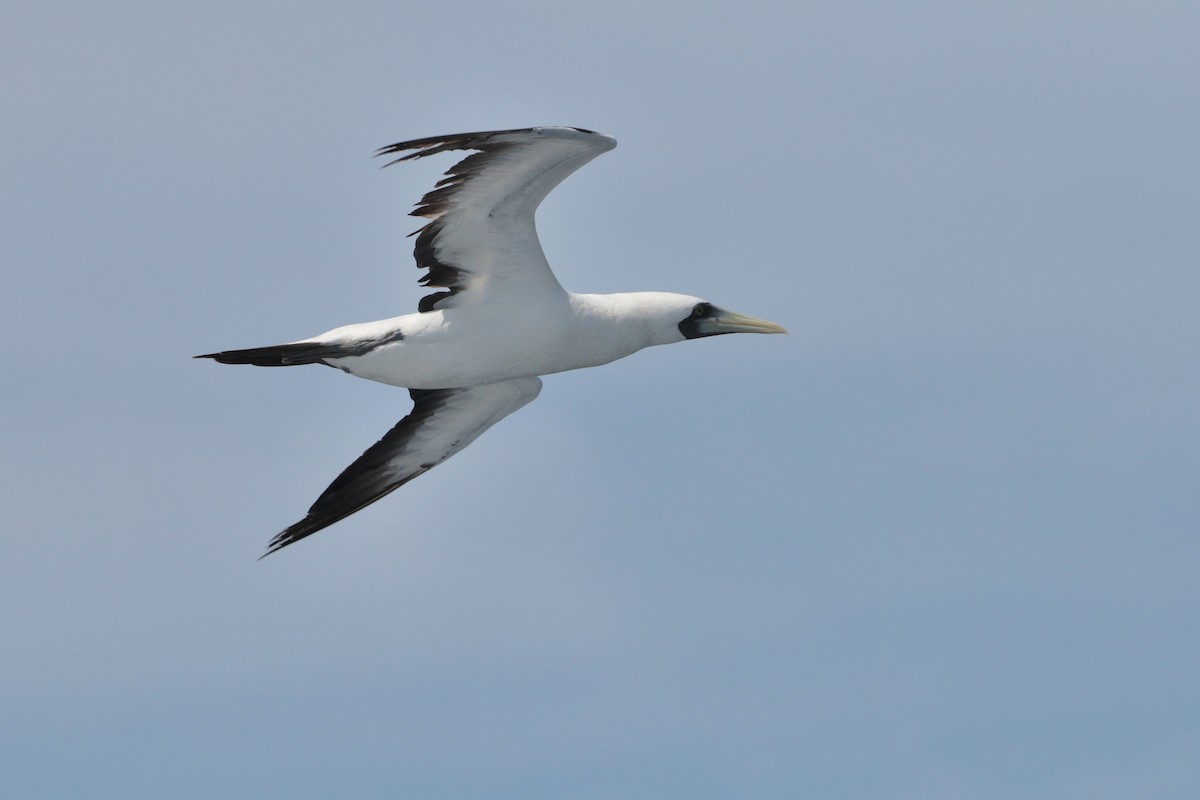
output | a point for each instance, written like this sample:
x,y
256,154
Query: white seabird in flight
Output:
x,y
472,354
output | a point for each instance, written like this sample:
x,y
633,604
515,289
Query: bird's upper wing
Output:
x,y
481,242
442,422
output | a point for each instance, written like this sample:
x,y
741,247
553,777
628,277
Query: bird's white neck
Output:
x,y
634,319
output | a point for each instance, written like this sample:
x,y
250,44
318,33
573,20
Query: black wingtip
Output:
x,y
432,145
477,140
294,533
279,542
274,548
283,539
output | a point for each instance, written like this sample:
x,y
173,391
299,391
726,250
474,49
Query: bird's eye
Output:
x,y
699,310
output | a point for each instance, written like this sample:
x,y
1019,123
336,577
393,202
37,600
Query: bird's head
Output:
x,y
675,317
705,319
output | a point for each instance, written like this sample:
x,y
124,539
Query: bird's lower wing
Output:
x,y
442,422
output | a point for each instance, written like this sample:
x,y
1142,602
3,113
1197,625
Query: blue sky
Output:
x,y
939,542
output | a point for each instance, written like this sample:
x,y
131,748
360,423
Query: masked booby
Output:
x,y
473,353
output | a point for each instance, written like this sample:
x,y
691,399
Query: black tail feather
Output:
x,y
280,355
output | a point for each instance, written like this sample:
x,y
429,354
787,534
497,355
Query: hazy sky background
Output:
x,y
939,542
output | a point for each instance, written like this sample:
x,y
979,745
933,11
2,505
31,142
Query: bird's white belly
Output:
x,y
472,352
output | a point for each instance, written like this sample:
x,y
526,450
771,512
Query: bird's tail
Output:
x,y
280,355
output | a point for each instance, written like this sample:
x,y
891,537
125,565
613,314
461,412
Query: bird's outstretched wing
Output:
x,y
480,243
442,422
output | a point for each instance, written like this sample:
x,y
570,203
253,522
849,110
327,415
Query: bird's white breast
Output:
x,y
476,345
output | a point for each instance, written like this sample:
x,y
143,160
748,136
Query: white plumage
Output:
x,y
473,353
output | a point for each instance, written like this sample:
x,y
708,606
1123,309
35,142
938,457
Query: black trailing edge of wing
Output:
x,y
366,480
438,200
